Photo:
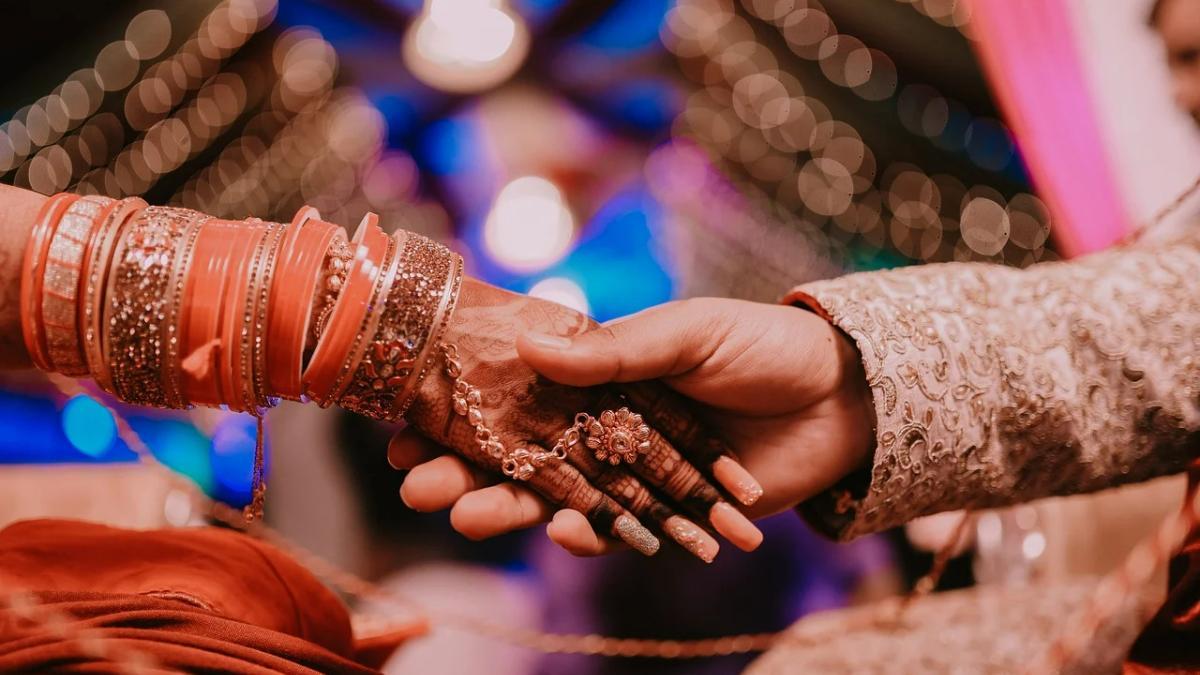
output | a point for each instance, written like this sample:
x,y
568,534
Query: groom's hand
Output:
x,y
782,386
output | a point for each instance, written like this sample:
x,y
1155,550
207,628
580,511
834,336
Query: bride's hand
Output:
x,y
525,411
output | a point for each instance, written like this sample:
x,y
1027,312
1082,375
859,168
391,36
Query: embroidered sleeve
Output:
x,y
994,385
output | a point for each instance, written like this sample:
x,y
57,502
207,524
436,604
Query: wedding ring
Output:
x,y
618,436
615,436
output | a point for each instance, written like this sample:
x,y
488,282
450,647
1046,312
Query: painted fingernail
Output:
x,y
549,341
737,480
631,532
735,526
691,537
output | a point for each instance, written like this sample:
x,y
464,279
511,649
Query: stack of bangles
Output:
x,y
171,308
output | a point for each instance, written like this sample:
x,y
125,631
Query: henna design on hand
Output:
x,y
526,411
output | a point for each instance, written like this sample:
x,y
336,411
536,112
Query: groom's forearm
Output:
x,y
17,210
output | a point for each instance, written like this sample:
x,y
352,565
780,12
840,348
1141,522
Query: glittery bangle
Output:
x,y
96,271
445,312
136,302
60,283
33,268
408,316
333,277
380,374
244,370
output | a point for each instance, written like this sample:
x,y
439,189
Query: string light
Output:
x,y
161,88
745,98
148,34
949,13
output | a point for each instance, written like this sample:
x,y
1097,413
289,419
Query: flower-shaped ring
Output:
x,y
617,436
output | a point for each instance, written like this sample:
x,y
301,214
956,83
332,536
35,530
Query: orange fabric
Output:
x,y
173,635
201,598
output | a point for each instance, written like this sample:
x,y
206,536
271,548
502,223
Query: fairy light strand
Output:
x,y
745,100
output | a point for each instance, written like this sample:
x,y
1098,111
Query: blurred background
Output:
x,y
606,154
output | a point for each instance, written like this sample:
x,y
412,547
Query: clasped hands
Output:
x,y
752,408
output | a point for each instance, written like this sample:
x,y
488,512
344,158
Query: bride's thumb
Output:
x,y
662,341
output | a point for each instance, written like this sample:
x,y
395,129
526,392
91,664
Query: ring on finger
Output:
x,y
615,436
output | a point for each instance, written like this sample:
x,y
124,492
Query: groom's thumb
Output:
x,y
666,340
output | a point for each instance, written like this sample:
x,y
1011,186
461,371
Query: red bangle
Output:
x,y
260,394
345,323
301,257
173,325
204,293
243,365
33,269
245,239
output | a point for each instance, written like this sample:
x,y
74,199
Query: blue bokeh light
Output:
x,y
88,425
619,260
450,146
649,104
180,446
401,114
233,458
34,430
630,26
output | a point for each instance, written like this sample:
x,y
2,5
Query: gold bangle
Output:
x,y
449,301
60,283
97,272
136,302
406,319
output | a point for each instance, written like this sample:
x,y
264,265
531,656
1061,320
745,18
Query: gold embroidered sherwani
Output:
x,y
994,385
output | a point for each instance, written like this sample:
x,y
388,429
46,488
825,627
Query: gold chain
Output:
x,y
518,464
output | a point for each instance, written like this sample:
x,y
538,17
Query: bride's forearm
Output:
x,y
18,208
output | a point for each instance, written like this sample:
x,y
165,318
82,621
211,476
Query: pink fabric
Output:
x,y
1030,56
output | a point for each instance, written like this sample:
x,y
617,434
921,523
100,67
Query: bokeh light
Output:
x,y
465,45
563,291
530,226
148,34
233,445
985,226
88,425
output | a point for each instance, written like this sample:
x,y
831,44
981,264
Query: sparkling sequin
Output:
x,y
404,329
